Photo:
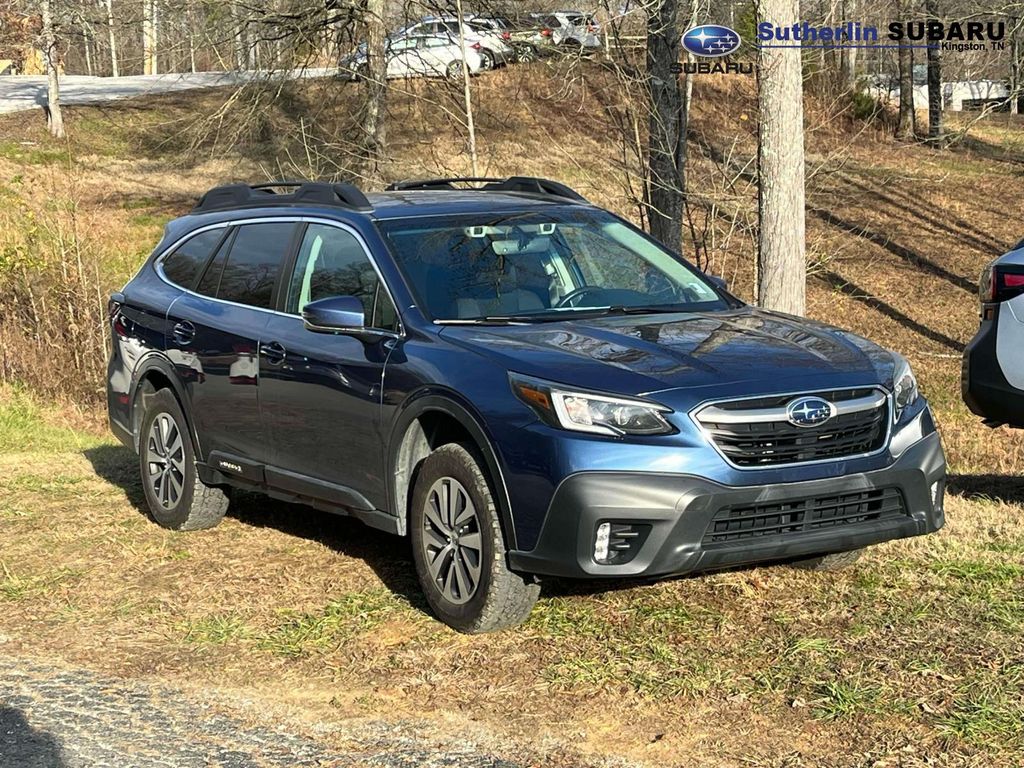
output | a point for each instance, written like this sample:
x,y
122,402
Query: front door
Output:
x,y
320,393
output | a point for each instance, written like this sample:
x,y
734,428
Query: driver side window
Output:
x,y
332,262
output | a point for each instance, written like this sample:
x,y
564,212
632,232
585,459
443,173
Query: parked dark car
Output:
x,y
524,384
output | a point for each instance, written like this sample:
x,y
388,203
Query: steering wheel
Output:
x,y
566,301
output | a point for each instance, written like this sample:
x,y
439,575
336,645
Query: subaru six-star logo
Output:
x,y
711,40
809,411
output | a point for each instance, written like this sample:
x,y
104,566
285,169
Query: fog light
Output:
x,y
616,543
604,532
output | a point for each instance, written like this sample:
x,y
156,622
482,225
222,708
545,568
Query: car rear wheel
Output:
x,y
176,497
454,70
487,59
526,53
832,562
459,549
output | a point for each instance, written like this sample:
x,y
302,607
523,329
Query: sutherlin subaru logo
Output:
x,y
711,40
809,411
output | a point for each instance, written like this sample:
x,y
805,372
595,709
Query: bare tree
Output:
x,y
931,8
374,125
149,37
907,125
113,39
51,56
467,95
667,134
782,267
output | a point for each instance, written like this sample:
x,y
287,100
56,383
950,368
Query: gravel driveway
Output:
x,y
61,717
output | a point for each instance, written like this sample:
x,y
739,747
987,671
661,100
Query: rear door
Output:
x,y
214,338
321,392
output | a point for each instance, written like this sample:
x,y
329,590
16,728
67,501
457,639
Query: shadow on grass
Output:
x,y
1008,489
388,556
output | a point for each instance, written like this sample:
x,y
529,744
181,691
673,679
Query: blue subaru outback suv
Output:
x,y
523,383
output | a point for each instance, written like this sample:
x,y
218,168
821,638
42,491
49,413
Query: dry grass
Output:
x,y
913,657
914,654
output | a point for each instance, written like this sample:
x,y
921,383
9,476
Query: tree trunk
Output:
x,y
51,57
782,267
150,64
667,138
190,31
466,94
907,127
1015,68
931,7
849,59
113,40
374,126
87,47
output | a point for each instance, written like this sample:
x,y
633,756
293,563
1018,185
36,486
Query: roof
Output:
x,y
405,203
424,197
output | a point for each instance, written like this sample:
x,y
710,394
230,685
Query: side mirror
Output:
x,y
337,314
719,282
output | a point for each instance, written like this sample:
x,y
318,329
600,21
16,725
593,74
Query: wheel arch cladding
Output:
x,y
429,423
153,374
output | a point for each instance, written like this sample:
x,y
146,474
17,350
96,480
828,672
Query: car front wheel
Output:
x,y
459,549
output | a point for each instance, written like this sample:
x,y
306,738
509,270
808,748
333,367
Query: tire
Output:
x,y
833,562
487,59
526,53
488,597
176,497
454,70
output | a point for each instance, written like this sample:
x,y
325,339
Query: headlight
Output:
x,y
588,412
904,386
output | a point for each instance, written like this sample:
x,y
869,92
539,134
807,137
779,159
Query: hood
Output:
x,y
747,351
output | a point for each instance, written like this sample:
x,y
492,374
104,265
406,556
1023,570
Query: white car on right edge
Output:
x,y
993,368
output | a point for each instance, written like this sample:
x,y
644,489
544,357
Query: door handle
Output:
x,y
274,352
184,332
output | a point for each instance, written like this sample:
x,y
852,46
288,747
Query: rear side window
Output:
x,y
252,264
183,266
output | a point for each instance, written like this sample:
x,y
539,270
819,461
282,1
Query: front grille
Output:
x,y
792,518
765,443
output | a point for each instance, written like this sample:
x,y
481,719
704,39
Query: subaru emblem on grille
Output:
x,y
809,411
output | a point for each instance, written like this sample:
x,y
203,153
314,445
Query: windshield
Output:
x,y
535,267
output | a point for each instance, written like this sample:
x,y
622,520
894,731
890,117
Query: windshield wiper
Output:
x,y
568,313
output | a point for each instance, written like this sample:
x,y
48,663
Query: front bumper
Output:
x,y
680,508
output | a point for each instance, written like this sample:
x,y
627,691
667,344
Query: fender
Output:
x,y
157,361
452,404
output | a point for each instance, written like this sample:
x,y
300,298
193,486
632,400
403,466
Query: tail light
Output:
x,y
545,33
1001,282
591,28
506,35
476,46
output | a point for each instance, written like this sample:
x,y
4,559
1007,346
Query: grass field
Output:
x,y
915,656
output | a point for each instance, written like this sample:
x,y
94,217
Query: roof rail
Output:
x,y
527,184
257,195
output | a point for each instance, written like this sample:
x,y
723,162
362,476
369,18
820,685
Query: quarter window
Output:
x,y
253,263
332,262
183,266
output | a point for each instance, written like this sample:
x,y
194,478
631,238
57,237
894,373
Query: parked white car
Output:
x,y
492,44
576,28
420,56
